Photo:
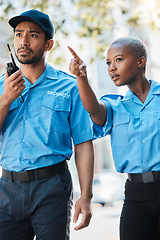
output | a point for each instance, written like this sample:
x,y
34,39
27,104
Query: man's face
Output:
x,y
29,43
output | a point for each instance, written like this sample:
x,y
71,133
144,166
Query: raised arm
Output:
x,y
95,108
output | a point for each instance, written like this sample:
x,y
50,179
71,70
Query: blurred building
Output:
x,y
5,34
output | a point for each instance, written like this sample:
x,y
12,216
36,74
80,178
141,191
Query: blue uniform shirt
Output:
x,y
135,130
39,132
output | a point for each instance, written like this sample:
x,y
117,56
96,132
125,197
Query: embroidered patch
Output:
x,y
58,94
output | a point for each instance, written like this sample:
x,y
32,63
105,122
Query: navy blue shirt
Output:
x,y
135,130
39,132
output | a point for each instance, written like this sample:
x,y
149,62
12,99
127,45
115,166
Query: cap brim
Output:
x,y
13,22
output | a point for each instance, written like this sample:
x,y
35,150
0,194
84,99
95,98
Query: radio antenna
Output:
x,y
11,55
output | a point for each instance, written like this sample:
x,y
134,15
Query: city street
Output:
x,y
104,224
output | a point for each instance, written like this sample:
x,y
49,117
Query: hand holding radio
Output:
x,y
14,82
13,86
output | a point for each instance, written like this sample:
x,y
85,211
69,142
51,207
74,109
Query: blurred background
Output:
x,y
88,27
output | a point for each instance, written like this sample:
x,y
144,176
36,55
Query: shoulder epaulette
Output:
x,y
113,96
67,74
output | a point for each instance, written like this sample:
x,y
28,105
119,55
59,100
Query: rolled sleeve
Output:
x,y
80,123
98,131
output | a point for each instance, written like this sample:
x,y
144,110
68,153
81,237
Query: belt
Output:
x,y
35,174
145,177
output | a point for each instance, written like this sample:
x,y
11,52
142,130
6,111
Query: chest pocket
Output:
x,y
119,134
58,103
55,112
121,119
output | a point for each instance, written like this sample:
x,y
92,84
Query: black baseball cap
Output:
x,y
37,17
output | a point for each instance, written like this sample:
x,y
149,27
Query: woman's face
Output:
x,y
122,65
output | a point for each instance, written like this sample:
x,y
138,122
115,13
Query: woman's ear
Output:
x,y
49,44
141,62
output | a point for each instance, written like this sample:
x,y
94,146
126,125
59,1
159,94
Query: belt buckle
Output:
x,y
147,177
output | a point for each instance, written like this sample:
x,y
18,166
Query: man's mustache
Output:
x,y
24,48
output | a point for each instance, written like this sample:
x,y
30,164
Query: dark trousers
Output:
x,y
140,217
40,208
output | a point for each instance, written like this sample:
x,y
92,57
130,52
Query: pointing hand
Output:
x,y
77,66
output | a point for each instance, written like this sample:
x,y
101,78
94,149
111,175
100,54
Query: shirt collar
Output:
x,y
155,89
49,73
129,95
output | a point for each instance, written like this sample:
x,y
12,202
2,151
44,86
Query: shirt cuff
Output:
x,y
99,131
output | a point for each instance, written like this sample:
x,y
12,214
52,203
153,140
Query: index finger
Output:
x,y
76,57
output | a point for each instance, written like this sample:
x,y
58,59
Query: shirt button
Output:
x,y
22,140
143,160
143,141
142,122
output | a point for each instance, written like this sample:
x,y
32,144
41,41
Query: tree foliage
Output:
x,y
53,8
98,19
94,19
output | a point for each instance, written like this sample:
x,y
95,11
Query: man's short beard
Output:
x,y
35,59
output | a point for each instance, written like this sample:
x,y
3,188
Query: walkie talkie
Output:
x,y
12,67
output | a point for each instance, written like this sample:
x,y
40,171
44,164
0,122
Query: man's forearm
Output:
x,y
84,158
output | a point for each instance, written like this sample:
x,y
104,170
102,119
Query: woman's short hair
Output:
x,y
135,44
